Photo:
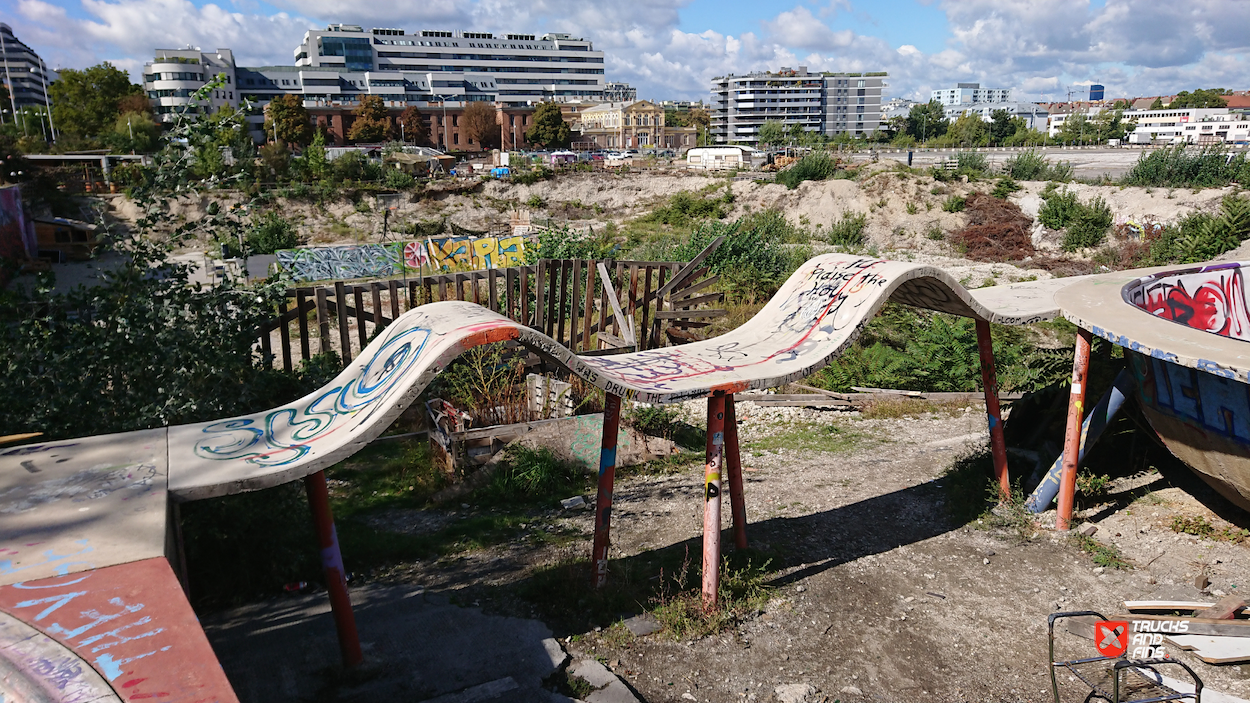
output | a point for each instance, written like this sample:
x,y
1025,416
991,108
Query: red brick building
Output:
x,y
444,125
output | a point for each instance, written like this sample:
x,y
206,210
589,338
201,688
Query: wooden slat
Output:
x,y
681,275
690,279
525,296
540,297
574,299
565,265
301,303
266,351
509,280
284,330
691,302
340,305
646,309
689,314
617,314
654,340
590,304
323,321
492,283
618,280
691,290
633,301
394,295
442,289
553,292
475,280
378,319
361,332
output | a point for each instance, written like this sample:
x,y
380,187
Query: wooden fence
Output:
x,y
590,306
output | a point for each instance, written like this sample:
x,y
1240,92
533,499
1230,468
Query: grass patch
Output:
x,y
1032,165
1199,526
849,230
808,437
954,203
1103,554
1005,187
743,591
894,408
815,166
972,493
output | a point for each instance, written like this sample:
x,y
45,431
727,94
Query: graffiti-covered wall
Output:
x,y
381,260
1212,298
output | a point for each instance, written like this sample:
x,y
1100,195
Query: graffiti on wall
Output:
x,y
333,263
1212,299
1215,404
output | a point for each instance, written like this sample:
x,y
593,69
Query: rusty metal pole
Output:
x,y
332,564
711,498
607,476
989,381
1072,437
733,462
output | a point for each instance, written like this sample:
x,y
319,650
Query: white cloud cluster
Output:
x,y
1037,47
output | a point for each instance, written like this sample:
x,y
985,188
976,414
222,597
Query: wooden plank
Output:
x,y
612,341
680,289
284,331
394,298
323,321
618,279
301,303
604,283
689,303
1213,649
525,296
654,340
646,308
345,337
575,299
633,302
689,268
886,391
442,289
1224,609
361,332
492,285
689,314
691,290
553,277
1201,626
616,311
266,352
590,304
1166,605
565,265
378,320
509,297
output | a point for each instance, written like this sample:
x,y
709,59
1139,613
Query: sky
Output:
x,y
670,49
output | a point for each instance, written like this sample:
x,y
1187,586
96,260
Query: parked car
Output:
x,y
617,156
597,156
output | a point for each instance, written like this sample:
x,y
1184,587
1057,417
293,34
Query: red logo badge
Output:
x,y
1111,637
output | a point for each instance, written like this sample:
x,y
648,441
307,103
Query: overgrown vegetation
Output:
x,y
808,437
1086,223
848,231
954,203
1182,166
997,230
1032,165
1202,236
814,166
754,260
685,208
1199,526
1104,555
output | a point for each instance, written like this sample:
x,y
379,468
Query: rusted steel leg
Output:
x,y
711,498
607,476
733,462
332,564
989,381
1072,437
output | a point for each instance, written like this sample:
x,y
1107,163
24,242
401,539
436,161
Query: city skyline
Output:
x,y
1040,50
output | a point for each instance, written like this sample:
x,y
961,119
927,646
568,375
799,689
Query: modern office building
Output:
x,y
1035,116
25,74
970,94
174,75
619,93
825,103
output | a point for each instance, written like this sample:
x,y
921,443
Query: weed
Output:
x,y
1105,555
912,209
684,208
535,202
893,408
971,163
531,176
935,232
882,203
654,420
1202,236
954,203
271,232
743,590
815,166
972,493
1005,187
1092,485
849,230
938,190
1032,165
1181,166
533,475
1199,526
1089,227
809,437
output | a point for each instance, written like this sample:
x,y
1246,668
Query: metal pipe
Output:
x,y
1095,422
1072,437
733,461
332,565
711,498
603,500
989,382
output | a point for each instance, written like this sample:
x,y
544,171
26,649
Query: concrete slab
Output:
x,y
417,647
81,504
132,624
608,688
35,667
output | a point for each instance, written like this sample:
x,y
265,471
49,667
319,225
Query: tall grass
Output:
x,y
1086,223
815,166
1182,166
971,162
1032,165
849,230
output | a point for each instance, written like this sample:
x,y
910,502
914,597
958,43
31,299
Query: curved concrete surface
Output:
x,y
812,319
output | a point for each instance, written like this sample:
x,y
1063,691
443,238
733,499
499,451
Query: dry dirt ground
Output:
x,y
878,595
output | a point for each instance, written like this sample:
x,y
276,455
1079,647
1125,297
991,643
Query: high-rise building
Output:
x,y
971,93
620,93
25,74
174,75
825,103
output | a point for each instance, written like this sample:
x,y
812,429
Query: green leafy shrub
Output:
x,y
954,203
397,179
815,166
1089,226
1032,165
1202,236
533,475
1186,167
753,260
971,163
1059,208
531,176
653,420
566,243
535,202
271,232
684,208
1005,187
849,230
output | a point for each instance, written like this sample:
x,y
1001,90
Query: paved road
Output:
x,y
1086,162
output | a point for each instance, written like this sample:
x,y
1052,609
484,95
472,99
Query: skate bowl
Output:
x,y
1186,332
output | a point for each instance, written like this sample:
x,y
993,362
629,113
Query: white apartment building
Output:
x,y
25,74
825,103
620,93
511,69
971,94
174,75
1034,115
1190,126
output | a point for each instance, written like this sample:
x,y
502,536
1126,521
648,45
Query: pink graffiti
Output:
x,y
1213,301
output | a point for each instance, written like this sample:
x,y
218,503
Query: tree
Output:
x,y
316,163
1077,129
1001,126
969,130
134,103
478,124
1157,104
134,133
927,120
548,128
1211,97
85,103
772,132
372,122
293,124
414,127
699,118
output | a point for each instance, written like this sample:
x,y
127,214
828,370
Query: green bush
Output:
x,y
954,203
973,163
533,475
1186,167
1059,208
535,202
1032,165
397,179
754,259
848,231
271,232
1202,236
685,207
1089,226
1005,187
565,243
531,176
653,420
815,166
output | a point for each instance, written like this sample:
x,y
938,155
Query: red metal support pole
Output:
x,y
607,477
733,462
1072,437
711,498
332,564
989,381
